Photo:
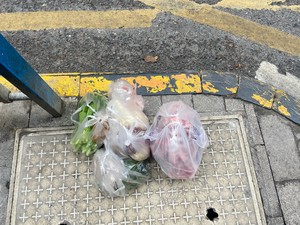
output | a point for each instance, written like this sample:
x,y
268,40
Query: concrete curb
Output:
x,y
254,91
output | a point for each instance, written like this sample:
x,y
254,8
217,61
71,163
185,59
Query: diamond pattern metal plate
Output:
x,y
52,185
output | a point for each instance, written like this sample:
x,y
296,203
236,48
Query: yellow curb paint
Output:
x,y
63,85
278,105
176,83
283,110
187,83
209,87
153,84
262,101
77,19
280,93
233,90
90,84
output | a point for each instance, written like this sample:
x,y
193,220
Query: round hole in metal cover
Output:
x,y
64,223
212,215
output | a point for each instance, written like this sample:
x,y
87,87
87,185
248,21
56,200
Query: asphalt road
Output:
x,y
180,43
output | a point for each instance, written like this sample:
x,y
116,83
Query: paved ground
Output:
x,y
183,40
274,142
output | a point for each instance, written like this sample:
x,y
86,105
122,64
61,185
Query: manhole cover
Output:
x,y
52,185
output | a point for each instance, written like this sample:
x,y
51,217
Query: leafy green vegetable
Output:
x,y
82,135
139,173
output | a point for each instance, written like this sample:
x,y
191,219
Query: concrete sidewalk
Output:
x,y
274,142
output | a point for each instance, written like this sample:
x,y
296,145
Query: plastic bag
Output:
x,y
117,176
90,123
126,106
127,143
177,140
127,122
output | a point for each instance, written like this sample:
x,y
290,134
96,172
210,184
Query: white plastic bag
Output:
x,y
115,175
177,140
127,122
126,143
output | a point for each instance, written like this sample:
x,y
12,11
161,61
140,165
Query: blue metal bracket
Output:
x,y
17,71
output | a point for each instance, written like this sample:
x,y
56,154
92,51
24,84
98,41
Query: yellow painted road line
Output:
x,y
256,4
77,19
236,25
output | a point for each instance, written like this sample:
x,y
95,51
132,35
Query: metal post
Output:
x,y
17,71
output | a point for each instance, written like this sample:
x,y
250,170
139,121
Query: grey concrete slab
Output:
x,y
275,221
152,104
13,116
4,189
208,103
234,105
265,181
289,195
297,136
187,99
6,151
281,147
252,126
296,131
4,94
40,118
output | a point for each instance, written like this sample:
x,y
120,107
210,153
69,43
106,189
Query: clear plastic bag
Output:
x,y
126,143
128,123
177,140
90,123
115,175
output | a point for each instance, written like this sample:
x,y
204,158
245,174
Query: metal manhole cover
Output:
x,y
52,185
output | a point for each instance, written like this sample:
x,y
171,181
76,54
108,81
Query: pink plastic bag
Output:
x,y
177,140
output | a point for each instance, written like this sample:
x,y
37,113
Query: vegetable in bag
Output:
x,y
127,122
115,175
177,140
90,123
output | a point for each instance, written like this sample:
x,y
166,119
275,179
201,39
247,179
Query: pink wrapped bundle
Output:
x,y
177,140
